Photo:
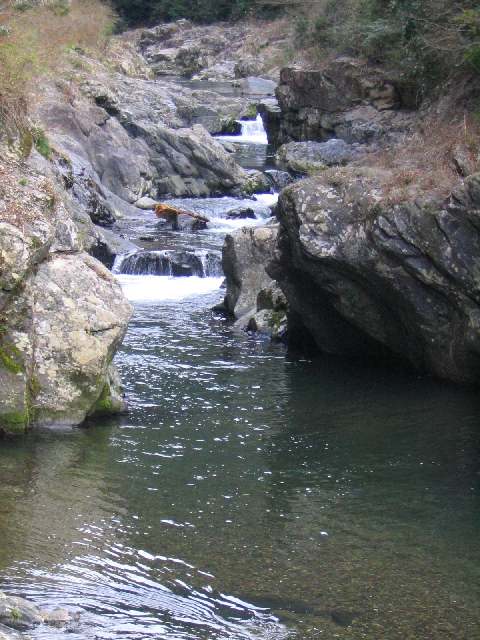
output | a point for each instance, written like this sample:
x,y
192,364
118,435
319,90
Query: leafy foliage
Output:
x,y
423,40
149,11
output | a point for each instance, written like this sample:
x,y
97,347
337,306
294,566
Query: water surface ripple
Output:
x,y
249,495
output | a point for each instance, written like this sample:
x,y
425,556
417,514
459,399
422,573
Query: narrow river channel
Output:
x,y
248,494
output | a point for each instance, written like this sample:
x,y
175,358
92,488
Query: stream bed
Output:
x,y
248,494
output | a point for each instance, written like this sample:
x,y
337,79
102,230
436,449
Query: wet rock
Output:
x,y
347,99
241,213
108,245
365,278
146,203
172,263
6,633
19,614
271,115
58,618
256,182
279,179
244,256
252,297
308,157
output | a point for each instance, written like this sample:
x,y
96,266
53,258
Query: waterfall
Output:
x,y
253,131
200,263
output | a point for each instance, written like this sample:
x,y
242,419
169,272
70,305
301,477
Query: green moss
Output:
x,y
8,359
15,614
42,145
34,386
23,182
14,421
104,404
251,112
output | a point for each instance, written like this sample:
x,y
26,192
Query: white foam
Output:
x,y
267,199
253,132
156,288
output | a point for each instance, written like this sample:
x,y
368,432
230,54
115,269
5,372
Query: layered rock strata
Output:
x,y
367,278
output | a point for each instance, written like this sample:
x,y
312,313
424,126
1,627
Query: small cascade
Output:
x,y
200,263
211,263
253,132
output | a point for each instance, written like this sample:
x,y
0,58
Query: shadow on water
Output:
x,y
250,496
247,494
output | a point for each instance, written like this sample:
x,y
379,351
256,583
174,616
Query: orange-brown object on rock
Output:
x,y
171,213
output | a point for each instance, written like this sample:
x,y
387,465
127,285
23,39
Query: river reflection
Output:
x,y
249,495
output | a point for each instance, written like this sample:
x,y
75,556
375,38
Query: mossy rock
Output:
x,y
14,422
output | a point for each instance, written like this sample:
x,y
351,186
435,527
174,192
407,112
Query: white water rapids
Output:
x,y
253,132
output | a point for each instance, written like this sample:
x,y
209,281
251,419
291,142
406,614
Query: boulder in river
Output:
x,y
241,213
252,297
308,157
62,313
368,278
18,613
180,219
172,263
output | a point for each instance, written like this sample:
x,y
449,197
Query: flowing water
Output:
x,y
248,494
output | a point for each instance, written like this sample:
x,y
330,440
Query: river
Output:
x,y
248,494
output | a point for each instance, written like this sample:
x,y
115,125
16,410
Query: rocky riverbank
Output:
x,y
375,253
18,616
370,259
62,313
108,136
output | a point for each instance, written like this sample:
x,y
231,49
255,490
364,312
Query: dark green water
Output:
x,y
248,495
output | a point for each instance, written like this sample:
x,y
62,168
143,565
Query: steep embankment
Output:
x,y
62,313
107,134
378,259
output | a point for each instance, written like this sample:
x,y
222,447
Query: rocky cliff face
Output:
x,y
367,278
347,99
62,314
253,299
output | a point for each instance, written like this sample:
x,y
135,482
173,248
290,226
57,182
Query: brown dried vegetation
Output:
x,y
35,41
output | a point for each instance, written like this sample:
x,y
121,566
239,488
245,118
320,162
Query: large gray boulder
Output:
x,y
62,313
308,157
371,279
18,613
347,99
130,140
253,298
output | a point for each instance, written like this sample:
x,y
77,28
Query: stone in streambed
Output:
x,y
308,157
146,203
241,213
59,617
6,633
18,613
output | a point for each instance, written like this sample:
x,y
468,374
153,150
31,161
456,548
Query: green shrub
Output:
x,y
41,142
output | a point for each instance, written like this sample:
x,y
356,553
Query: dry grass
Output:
x,y
36,41
428,160
25,196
